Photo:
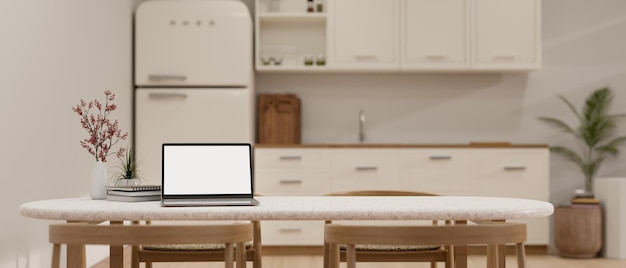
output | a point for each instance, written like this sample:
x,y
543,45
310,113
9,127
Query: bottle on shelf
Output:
x,y
310,7
319,5
308,60
320,60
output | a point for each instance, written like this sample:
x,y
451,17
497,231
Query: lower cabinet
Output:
x,y
513,171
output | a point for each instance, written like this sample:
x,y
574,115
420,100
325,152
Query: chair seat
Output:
x,y
393,247
190,247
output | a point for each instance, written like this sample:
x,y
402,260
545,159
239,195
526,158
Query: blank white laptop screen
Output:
x,y
207,169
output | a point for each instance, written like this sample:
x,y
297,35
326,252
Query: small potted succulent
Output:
x,y
128,170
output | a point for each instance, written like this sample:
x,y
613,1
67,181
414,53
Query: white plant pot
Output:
x,y
612,194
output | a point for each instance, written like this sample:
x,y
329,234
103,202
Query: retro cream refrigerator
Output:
x,y
193,76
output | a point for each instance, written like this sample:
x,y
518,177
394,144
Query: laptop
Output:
x,y
207,174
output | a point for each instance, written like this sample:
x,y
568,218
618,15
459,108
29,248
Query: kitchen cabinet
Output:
x,y
363,169
506,34
287,35
508,171
364,34
441,171
402,36
435,34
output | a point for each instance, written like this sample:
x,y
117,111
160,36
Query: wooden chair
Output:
x,y
233,236
493,234
198,252
432,253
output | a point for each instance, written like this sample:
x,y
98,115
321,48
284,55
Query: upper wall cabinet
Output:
x,y
434,34
363,34
290,35
398,35
506,35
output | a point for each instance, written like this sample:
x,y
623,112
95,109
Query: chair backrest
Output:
x,y
382,193
379,193
484,233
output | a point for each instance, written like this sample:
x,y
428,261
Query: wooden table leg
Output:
x,y
76,255
460,252
116,252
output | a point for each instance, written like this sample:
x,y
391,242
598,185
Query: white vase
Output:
x,y
99,175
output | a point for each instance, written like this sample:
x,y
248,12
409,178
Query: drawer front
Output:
x,y
521,173
292,233
440,171
268,158
364,169
291,183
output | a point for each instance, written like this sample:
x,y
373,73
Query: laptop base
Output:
x,y
206,203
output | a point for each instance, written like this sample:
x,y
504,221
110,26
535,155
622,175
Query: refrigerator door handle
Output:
x,y
161,77
166,95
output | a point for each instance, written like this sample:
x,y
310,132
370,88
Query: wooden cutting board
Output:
x,y
278,119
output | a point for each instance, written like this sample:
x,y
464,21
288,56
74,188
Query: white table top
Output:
x,y
298,208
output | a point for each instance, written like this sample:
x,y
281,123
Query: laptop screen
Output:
x,y
207,169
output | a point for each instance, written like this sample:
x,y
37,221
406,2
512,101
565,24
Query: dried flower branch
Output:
x,y
103,133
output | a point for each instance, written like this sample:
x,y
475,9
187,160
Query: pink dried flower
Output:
x,y
103,133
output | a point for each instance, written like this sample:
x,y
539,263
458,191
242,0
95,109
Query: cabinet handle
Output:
x,y
290,230
290,157
365,56
166,95
161,77
504,57
436,57
515,168
290,182
366,168
440,157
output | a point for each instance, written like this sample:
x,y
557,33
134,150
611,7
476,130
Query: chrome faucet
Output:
x,y
361,123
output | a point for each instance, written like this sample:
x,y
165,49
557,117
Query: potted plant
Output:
x,y
595,134
103,135
128,170
578,228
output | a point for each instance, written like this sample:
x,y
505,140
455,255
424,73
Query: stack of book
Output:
x,y
134,193
583,201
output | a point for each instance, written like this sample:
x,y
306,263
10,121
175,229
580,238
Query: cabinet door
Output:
x,y
292,233
506,34
521,173
434,34
291,171
364,34
364,169
188,115
438,171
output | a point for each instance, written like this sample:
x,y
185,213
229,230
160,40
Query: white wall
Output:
x,y
53,53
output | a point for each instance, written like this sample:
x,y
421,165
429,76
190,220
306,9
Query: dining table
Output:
x,y
292,208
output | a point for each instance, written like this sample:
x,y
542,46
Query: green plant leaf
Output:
x,y
568,154
556,123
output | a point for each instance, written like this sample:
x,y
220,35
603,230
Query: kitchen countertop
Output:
x,y
403,145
